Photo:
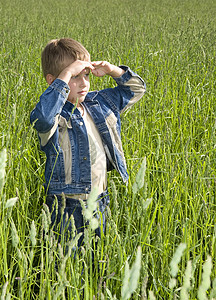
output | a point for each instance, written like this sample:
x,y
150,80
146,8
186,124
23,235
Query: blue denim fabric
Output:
x,y
60,222
100,105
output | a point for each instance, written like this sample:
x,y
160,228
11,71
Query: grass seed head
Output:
x,y
14,234
33,233
176,259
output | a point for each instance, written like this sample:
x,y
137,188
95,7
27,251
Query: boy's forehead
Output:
x,y
68,61
86,58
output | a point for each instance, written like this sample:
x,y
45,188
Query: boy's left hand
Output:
x,y
102,68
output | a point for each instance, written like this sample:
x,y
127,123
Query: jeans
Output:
x,y
60,220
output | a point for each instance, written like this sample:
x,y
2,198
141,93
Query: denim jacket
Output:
x,y
63,136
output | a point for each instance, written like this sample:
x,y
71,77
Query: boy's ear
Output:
x,y
50,78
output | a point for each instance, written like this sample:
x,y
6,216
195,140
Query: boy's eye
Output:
x,y
74,77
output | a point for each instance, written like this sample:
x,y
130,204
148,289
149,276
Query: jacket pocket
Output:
x,y
56,167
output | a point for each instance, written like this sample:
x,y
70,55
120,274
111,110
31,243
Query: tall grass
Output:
x,y
169,142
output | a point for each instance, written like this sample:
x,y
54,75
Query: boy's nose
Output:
x,y
83,80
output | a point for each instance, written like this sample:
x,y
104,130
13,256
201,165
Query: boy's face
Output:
x,y
79,87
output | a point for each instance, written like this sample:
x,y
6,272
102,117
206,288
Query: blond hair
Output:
x,y
58,52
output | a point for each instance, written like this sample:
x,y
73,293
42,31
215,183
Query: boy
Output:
x,y
79,131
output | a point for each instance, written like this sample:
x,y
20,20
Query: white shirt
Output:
x,y
97,154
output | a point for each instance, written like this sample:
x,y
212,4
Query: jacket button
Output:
x,y
84,157
81,123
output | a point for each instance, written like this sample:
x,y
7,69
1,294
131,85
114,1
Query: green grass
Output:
x,y
171,44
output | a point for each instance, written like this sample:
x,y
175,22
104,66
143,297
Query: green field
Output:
x,y
167,212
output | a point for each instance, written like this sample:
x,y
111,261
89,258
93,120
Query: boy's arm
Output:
x,y
44,116
130,89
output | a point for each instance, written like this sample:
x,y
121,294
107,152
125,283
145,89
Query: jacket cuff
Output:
x,y
60,86
126,76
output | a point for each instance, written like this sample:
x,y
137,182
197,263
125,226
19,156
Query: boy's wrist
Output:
x,y
116,72
65,75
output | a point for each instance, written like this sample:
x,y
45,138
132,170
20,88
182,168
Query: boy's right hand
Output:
x,y
72,70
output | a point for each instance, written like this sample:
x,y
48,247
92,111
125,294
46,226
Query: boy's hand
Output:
x,y
72,70
102,68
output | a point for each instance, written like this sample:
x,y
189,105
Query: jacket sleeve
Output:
x,y
130,88
44,115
